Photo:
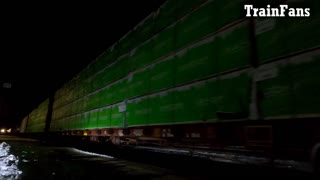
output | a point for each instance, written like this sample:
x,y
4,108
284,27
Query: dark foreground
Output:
x,y
41,161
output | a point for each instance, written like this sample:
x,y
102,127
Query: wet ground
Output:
x,y
39,161
43,162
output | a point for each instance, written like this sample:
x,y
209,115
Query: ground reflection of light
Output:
x,y
8,163
93,154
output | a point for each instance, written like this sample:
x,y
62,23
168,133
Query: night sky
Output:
x,y
45,45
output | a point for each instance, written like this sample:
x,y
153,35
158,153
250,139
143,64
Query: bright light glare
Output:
x,y
3,130
93,154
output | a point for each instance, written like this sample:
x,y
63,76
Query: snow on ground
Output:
x,y
8,163
234,158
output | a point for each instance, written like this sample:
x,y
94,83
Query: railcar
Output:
x,y
199,73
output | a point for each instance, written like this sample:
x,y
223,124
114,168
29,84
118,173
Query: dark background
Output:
x,y
43,45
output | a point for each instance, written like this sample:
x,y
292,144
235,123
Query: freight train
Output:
x,y
199,73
